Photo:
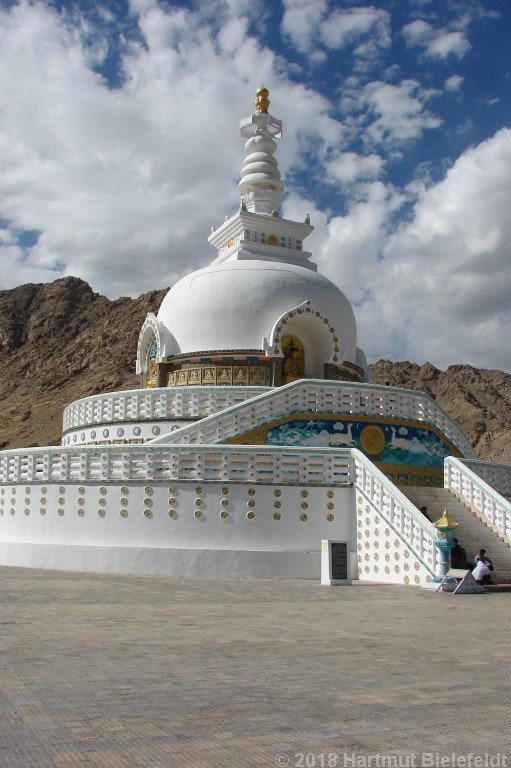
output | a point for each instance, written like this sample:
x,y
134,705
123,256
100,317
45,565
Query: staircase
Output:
x,y
473,533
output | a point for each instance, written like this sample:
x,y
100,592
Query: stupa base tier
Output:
x,y
152,561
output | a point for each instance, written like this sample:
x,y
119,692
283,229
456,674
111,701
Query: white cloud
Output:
x,y
348,167
436,43
436,288
123,184
454,83
400,110
308,24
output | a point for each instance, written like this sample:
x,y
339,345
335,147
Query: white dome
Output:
x,y
235,305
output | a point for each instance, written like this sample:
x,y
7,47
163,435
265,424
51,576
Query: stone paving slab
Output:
x,y
134,672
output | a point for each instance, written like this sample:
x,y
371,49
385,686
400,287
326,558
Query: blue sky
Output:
x,y
120,148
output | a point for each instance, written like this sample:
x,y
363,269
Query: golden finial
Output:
x,y
262,101
445,521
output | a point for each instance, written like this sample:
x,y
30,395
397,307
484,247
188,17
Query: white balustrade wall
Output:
x,y
395,541
142,409
498,476
490,505
319,396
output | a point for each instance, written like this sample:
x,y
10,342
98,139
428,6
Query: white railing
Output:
x,y
395,509
496,475
478,494
319,396
258,464
153,404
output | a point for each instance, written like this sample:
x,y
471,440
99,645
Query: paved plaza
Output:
x,y
127,671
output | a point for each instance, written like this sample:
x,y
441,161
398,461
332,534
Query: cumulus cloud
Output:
x,y
348,167
454,83
436,288
436,43
309,23
122,184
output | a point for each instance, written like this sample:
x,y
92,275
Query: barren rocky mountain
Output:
x,y
62,341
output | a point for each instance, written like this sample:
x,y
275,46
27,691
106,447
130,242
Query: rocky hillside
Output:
x,y
61,341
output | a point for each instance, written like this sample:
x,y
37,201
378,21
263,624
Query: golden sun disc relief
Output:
x,y
372,440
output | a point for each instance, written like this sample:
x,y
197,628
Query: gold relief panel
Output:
x,y
224,375
240,375
181,378
194,376
209,375
259,375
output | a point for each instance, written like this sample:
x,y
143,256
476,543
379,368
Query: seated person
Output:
x,y
459,557
482,557
482,573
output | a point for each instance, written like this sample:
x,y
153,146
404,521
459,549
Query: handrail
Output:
x,y
319,396
254,464
497,475
152,404
478,494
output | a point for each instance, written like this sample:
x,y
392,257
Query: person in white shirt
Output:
x,y
482,573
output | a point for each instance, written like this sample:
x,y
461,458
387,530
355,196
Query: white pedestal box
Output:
x,y
334,562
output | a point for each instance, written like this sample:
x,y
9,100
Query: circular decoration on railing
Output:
x,y
81,490
304,494
60,512
330,517
102,490
250,515
28,491
277,516
376,569
102,502
93,435
277,504
61,489
172,513
304,505
251,503
224,502
359,534
81,501
366,569
198,502
396,568
80,512
82,436
406,566
147,513
124,502
407,579
387,531
396,542
417,579
148,491
13,511
367,545
156,430
105,433
416,566
376,531
125,490
277,492
171,500
225,491
27,500
42,511
198,490
27,511
224,514
330,505
120,432
198,513
148,502
407,554
387,557
251,491
304,517
62,500
387,545
137,431
330,494
368,522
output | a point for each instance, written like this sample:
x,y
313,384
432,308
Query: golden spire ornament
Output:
x,y
262,101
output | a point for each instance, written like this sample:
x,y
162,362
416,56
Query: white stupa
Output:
x,y
259,314
255,447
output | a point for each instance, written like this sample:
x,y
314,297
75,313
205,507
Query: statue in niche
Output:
x,y
152,365
293,367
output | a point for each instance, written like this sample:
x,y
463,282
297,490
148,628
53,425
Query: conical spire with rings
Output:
x,y
260,185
